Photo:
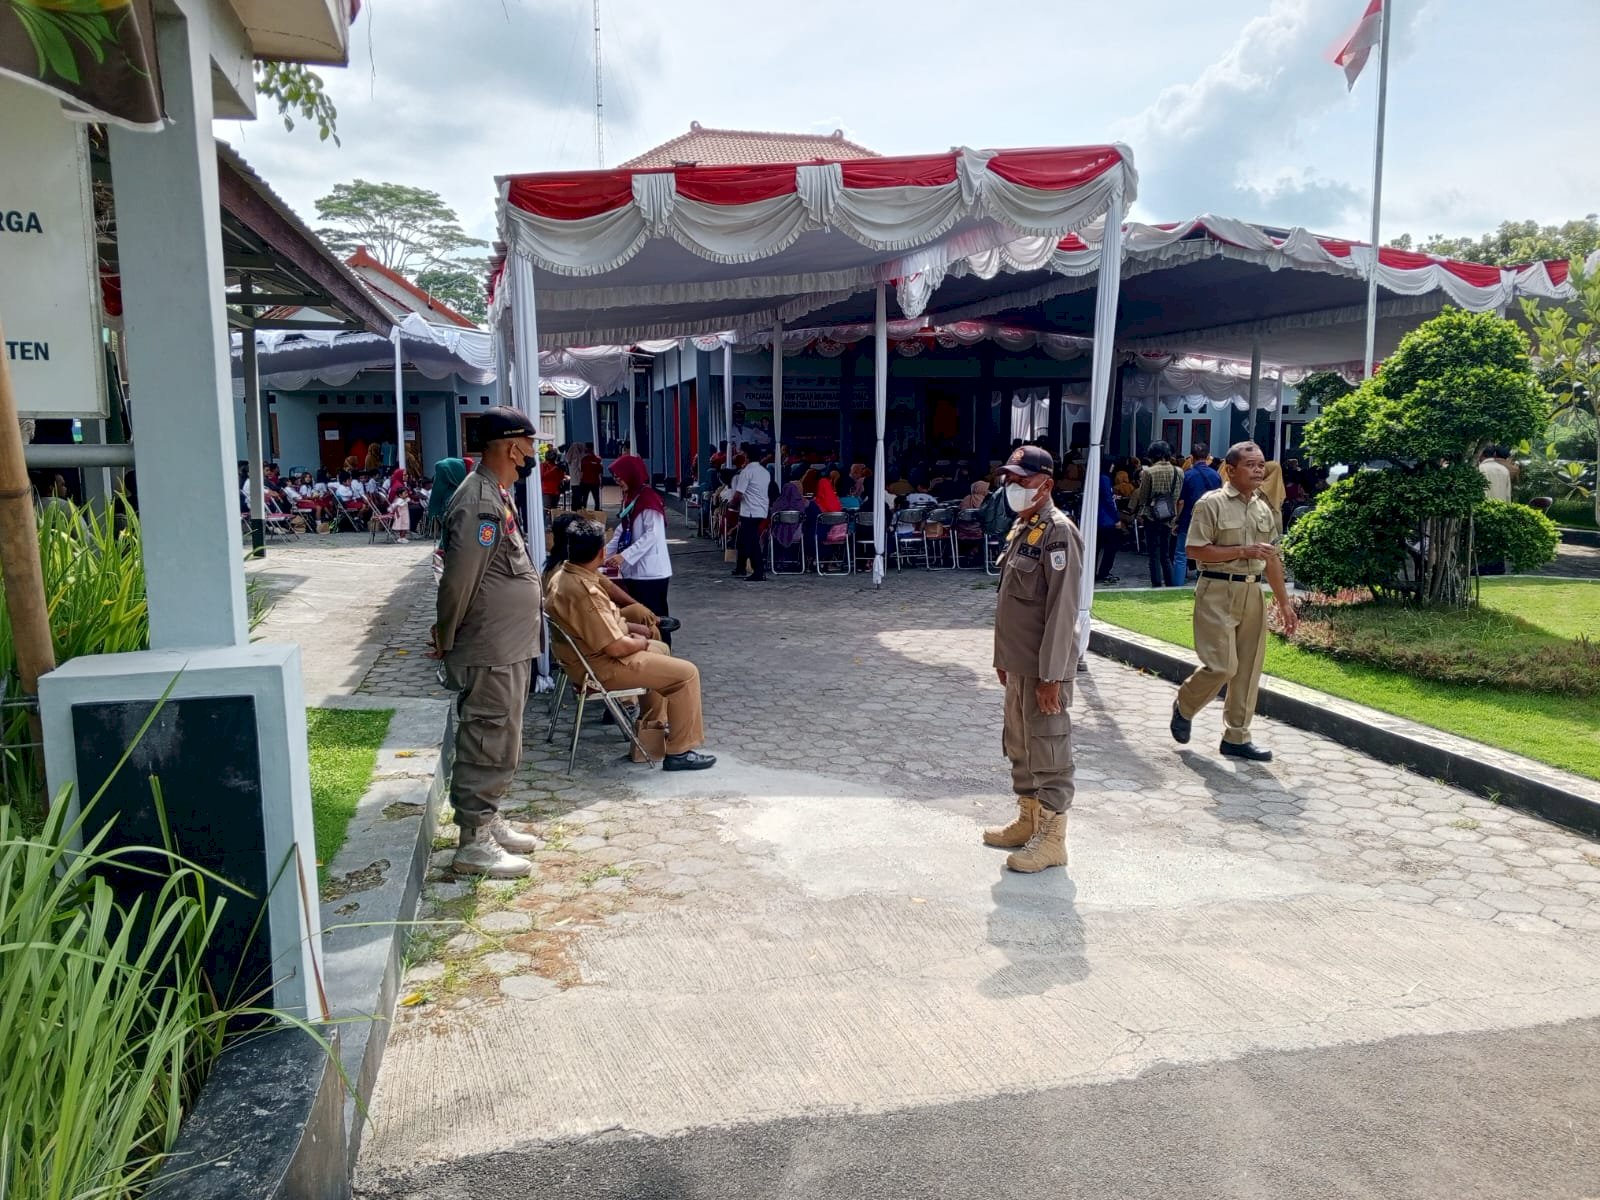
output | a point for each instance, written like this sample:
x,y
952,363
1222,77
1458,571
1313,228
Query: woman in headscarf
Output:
x,y
447,476
786,536
808,482
1273,490
978,494
638,549
826,500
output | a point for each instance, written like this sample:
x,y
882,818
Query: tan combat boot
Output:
x,y
1017,833
480,854
1046,848
510,838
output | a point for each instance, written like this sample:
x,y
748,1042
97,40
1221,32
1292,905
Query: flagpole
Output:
x,y
1377,183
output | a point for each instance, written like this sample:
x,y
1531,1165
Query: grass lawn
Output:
x,y
1561,730
344,749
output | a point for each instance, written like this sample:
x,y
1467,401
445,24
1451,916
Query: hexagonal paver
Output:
x,y
1514,902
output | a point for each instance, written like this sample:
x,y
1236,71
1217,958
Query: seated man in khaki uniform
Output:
x,y
577,601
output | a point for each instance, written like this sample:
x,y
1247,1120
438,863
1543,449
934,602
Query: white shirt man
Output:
x,y
1498,477
752,483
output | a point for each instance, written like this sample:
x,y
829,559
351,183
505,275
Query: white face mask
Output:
x,y
1019,497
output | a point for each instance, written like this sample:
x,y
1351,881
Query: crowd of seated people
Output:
x,y
325,502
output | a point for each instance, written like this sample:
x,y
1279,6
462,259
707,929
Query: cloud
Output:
x,y
445,94
1239,139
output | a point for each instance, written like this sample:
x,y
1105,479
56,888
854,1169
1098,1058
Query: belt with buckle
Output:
x,y
1230,578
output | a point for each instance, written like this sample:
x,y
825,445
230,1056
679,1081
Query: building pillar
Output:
x,y
169,245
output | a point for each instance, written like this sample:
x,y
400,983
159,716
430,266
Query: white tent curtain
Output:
x,y
1105,325
399,399
523,337
727,398
1030,413
633,442
777,404
880,405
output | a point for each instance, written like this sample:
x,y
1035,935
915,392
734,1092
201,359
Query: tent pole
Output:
x,y
777,403
399,400
594,417
727,401
1255,390
252,427
1107,287
880,405
633,446
1277,423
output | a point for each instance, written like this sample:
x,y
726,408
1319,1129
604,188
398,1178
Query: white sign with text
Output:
x,y
49,305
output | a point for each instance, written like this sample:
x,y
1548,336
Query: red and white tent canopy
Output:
x,y
621,256
625,255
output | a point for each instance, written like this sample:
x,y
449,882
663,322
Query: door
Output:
x,y
341,435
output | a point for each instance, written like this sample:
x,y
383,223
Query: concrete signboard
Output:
x,y
48,274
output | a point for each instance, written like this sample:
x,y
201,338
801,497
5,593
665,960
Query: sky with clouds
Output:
x,y
1230,106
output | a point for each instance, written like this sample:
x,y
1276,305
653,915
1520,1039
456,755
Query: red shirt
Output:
x,y
550,475
589,471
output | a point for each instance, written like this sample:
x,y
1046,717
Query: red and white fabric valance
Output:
x,y
626,255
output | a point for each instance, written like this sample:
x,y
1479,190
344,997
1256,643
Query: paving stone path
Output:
x,y
812,929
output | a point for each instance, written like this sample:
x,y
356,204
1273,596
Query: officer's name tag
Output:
x,y
1058,560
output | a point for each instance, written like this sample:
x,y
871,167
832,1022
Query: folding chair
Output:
x,y
790,520
279,523
347,515
937,545
377,519
972,551
865,547
845,563
910,542
586,685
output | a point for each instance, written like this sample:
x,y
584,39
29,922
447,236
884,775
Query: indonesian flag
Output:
x,y
1357,48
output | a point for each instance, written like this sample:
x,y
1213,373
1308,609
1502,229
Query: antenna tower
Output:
x,y
599,96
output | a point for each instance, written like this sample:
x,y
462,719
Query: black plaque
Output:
x,y
206,754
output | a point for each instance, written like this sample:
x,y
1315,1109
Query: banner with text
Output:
x,y
49,284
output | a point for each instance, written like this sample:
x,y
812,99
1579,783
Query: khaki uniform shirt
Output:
x,y
488,609
1223,518
1036,619
579,604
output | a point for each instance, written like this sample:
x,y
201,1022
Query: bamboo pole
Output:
x,y
19,547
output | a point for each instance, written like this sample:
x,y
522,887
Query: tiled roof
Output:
x,y
711,146
399,291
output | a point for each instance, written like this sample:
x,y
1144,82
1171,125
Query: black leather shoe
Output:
x,y
689,760
1246,750
669,624
1180,725
738,574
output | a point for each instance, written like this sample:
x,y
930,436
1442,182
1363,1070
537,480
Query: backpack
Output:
x,y
1164,507
994,516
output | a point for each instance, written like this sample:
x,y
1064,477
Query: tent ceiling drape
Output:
x,y
1217,285
290,360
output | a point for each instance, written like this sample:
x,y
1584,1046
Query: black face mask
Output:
x,y
525,468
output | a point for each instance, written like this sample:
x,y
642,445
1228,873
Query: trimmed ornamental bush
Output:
x,y
1457,384
1514,534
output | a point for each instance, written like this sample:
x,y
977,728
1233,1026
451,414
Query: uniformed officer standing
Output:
x,y
1233,536
488,631
1036,655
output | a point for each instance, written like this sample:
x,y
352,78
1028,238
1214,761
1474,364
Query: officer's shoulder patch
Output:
x,y
488,533
1058,560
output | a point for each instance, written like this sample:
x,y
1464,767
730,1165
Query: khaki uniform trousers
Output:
x,y
489,707
1230,638
672,693
1039,745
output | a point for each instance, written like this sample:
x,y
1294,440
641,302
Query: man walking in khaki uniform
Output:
x,y
1035,656
488,631
620,657
1233,537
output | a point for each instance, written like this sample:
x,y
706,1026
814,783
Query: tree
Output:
x,y
1515,242
408,229
299,91
1568,351
1320,390
1459,383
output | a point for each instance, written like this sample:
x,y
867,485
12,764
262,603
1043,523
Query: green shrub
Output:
x,y
107,1025
1514,534
1456,384
94,588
